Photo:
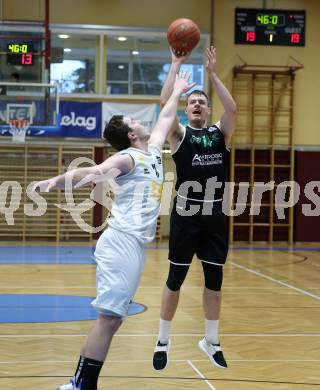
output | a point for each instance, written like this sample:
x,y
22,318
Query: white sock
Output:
x,y
164,331
212,328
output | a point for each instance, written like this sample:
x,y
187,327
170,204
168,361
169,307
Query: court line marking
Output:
x,y
74,248
2,336
143,287
260,274
152,287
65,292
171,360
201,375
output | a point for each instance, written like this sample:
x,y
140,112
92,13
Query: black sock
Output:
x,y
78,373
90,374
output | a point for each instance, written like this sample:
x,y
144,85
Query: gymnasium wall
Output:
x,y
136,13
307,84
306,90
148,13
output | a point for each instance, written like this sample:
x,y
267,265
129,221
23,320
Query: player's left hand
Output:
x,y
211,59
44,185
182,84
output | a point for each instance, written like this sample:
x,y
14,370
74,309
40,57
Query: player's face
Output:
x,y
137,128
197,110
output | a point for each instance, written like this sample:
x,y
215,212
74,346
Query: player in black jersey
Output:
x,y
197,224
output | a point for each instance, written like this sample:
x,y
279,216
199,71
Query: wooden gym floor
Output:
x,y
270,327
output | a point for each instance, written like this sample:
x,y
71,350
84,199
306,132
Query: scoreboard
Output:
x,y
269,27
19,53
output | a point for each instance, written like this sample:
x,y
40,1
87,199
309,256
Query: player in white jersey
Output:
x,y
120,251
136,206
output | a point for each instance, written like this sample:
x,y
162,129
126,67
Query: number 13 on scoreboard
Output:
x,y
26,59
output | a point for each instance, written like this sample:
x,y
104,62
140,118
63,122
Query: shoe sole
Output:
x,y
166,366
209,356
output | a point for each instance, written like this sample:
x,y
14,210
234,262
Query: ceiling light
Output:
x,y
122,39
67,50
120,66
63,36
134,52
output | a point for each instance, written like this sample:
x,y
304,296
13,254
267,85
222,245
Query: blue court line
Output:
x,y
84,255
47,261
31,308
46,255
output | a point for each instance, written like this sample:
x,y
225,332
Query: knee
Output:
x,y
215,296
214,286
213,276
110,323
173,285
176,277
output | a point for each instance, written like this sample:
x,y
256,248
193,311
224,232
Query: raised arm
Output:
x,y
168,113
175,66
167,88
114,166
228,118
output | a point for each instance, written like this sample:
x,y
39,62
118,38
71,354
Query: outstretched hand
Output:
x,y
182,84
211,59
44,185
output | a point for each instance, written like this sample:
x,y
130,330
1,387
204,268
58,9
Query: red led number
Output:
x,y
295,38
26,59
250,36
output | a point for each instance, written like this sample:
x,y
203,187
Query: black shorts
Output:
x,y
203,235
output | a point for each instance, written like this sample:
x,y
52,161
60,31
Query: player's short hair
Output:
x,y
198,92
116,133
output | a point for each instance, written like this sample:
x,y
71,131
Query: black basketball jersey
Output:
x,y
202,155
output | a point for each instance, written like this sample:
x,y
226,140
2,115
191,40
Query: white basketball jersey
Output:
x,y
136,205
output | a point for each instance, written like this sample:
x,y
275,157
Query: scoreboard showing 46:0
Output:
x,y
269,27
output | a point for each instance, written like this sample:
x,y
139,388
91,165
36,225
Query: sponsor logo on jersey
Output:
x,y
146,171
205,140
207,159
159,161
212,128
216,136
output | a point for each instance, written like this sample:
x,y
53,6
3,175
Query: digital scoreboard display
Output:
x,y
19,54
269,27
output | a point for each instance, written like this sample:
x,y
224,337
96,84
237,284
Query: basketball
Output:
x,y
183,35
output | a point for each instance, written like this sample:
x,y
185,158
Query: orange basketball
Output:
x,y
183,35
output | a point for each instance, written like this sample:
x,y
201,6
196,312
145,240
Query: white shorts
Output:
x,y
120,262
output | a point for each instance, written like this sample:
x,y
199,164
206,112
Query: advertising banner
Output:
x,y
146,113
78,119
81,119
23,109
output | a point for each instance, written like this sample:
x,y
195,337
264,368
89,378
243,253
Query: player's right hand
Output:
x,y
179,56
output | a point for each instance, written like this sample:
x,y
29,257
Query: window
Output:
x,y
118,72
138,65
102,60
147,78
73,60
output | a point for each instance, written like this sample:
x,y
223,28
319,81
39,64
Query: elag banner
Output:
x,y
81,119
